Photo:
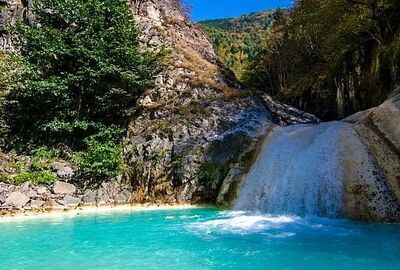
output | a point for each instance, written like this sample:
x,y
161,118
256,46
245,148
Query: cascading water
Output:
x,y
298,172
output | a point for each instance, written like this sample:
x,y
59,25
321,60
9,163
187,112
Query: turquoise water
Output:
x,y
197,239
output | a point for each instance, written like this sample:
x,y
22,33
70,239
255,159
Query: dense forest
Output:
x,y
236,40
331,57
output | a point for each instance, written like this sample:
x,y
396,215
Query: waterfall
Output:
x,y
298,172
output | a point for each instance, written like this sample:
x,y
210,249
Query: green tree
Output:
x,y
235,40
313,40
84,72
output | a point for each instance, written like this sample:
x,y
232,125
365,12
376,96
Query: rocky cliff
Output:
x,y
10,12
379,131
198,132
365,79
195,136
197,127
197,122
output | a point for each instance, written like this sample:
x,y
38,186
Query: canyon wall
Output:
x,y
197,127
365,79
198,122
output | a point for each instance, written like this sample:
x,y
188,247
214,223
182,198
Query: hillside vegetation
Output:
x,y
73,86
236,40
331,57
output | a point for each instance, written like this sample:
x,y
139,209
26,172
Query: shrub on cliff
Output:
x,y
102,157
83,73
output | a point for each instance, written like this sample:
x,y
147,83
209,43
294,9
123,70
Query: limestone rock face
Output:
x,y
17,199
196,123
196,104
236,176
64,188
379,131
11,11
367,192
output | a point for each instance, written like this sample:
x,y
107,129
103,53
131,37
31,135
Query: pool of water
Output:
x,y
196,239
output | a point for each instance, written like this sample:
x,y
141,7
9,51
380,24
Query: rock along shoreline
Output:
x,y
15,215
29,200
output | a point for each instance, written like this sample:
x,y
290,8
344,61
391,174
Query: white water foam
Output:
x,y
239,222
272,226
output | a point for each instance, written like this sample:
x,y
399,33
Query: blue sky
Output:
x,y
215,9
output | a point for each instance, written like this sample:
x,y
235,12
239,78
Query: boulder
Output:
x,y
71,201
102,197
52,205
25,187
37,203
89,197
2,199
17,199
63,170
42,190
64,188
32,194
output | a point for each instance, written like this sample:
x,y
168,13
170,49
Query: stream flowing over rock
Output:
x,y
333,169
297,172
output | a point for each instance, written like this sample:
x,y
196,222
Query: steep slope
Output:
x,y
10,12
197,123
